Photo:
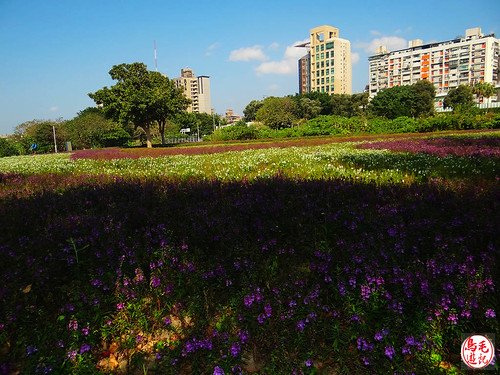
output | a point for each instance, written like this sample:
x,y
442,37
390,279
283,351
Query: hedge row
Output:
x,y
336,125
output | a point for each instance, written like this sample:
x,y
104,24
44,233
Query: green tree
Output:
x,y
139,97
40,133
411,101
90,128
459,99
483,90
251,109
307,108
324,98
422,104
169,101
278,113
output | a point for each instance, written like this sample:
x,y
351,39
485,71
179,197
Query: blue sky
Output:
x,y
52,53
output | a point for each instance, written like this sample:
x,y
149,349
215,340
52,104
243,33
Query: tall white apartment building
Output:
x,y
327,66
197,89
468,60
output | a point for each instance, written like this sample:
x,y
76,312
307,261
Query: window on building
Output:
x,y
322,64
329,45
327,54
322,47
317,48
327,63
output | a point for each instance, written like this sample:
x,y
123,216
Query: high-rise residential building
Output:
x,y
197,89
305,74
327,65
467,60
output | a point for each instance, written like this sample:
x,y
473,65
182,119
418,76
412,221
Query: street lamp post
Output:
x,y
55,142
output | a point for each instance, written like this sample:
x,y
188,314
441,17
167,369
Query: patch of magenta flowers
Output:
x,y
442,146
315,274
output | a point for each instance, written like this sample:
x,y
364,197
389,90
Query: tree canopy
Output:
x,y
90,128
278,113
251,109
140,97
460,98
411,101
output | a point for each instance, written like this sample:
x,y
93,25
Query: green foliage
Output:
x,y
411,101
239,131
461,99
194,121
307,108
40,133
278,113
251,109
140,97
348,105
8,148
90,129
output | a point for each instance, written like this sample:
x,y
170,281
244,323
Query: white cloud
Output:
x,y
273,46
354,57
273,87
288,65
54,109
248,54
391,42
211,48
277,67
375,32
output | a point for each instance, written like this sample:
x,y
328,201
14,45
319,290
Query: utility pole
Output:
x,y
55,142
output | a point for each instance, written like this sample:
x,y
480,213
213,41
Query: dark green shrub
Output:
x,y
8,148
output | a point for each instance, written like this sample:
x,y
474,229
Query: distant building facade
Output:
x,y
231,117
327,65
197,89
467,60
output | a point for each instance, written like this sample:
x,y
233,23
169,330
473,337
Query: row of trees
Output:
x,y
141,104
412,101
90,128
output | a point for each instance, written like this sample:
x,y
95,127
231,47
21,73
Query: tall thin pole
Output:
x,y
156,60
55,142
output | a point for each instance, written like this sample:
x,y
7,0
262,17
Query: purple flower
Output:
x,y
389,352
73,325
261,318
453,318
268,310
309,362
155,282
167,321
365,292
301,325
85,348
490,314
72,355
120,306
31,349
248,300
86,331
235,349
243,335
218,371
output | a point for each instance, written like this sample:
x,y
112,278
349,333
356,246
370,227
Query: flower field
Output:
x,y
326,258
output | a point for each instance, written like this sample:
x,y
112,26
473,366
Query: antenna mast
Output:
x,y
156,61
